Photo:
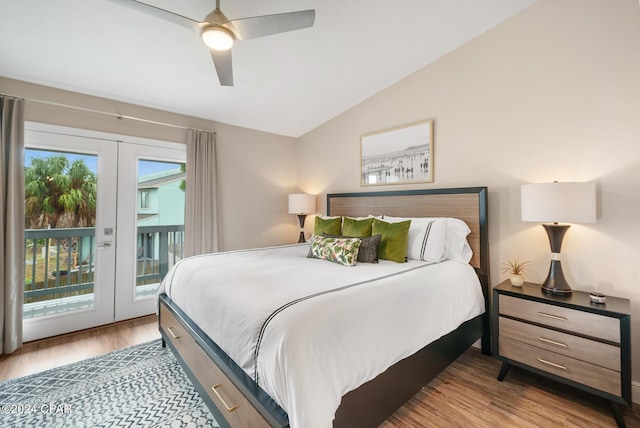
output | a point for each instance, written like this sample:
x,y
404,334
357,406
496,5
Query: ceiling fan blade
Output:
x,y
185,21
222,61
259,26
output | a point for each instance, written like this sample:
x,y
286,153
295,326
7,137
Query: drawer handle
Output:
x,y
553,342
555,317
558,366
215,390
172,333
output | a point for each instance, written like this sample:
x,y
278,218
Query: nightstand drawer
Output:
x,y
587,350
586,323
579,371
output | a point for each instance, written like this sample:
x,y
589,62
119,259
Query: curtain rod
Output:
x,y
116,115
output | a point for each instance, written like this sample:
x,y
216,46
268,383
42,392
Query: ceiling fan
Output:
x,y
219,33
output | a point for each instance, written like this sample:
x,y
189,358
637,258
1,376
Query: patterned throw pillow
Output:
x,y
340,250
368,252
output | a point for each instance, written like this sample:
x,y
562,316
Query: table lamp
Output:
x,y
558,203
302,204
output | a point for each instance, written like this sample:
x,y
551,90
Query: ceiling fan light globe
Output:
x,y
217,39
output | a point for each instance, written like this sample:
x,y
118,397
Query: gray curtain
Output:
x,y
11,223
201,216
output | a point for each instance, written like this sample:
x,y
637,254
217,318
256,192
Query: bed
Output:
x,y
233,383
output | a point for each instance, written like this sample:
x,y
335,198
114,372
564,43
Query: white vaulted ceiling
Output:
x,y
286,84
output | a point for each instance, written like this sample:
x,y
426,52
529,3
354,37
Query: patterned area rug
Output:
x,y
141,386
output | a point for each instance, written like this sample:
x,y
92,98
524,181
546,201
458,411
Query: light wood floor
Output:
x,y
57,351
466,394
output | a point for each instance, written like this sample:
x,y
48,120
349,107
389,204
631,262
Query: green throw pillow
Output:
x,y
358,228
393,245
330,226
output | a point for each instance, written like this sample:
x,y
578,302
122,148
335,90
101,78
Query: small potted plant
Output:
x,y
517,270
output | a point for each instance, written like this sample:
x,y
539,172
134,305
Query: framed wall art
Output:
x,y
402,155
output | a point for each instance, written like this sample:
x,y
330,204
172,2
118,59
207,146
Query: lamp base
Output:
x,y
301,218
555,282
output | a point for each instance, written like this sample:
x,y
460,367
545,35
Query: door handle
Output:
x,y
103,244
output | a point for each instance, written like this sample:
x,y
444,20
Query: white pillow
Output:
x,y
456,246
435,239
426,239
379,217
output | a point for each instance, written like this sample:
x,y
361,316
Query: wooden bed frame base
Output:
x,y
270,411
373,402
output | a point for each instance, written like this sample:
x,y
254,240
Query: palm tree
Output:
x,y
59,194
183,183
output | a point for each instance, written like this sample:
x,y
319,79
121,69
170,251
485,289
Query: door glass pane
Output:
x,y
60,219
160,222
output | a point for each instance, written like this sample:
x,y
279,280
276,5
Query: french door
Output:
x,y
150,222
104,221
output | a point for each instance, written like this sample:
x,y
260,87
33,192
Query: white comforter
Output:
x,y
306,353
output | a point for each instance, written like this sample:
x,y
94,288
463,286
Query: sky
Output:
x,y
145,167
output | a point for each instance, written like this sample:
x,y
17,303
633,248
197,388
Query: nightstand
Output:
x,y
565,338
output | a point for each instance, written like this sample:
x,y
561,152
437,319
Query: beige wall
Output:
x,y
257,170
551,94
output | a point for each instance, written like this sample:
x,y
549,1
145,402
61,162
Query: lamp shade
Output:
x,y
558,202
301,203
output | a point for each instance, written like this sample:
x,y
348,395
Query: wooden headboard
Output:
x,y
468,204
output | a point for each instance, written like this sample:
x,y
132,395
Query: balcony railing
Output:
x,y
60,265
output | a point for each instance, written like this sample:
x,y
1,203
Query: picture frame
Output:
x,y
401,155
